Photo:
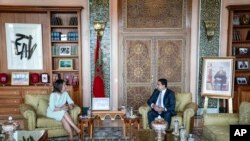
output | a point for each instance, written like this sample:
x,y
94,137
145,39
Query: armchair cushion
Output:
x,y
182,99
42,107
44,122
244,113
33,99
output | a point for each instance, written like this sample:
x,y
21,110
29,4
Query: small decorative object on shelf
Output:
x,y
56,76
244,19
75,81
236,20
56,21
34,78
73,21
68,78
3,78
44,78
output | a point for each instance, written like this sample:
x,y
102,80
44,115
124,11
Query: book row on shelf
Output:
x,y
57,21
65,50
58,36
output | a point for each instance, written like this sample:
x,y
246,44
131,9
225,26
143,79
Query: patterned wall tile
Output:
x,y
100,10
169,60
154,13
138,95
210,10
138,60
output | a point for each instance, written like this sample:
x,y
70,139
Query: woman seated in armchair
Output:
x,y
59,103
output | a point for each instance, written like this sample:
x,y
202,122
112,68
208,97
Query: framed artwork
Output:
x,y
243,51
68,77
24,46
242,65
241,80
66,64
45,78
236,20
65,50
100,103
20,78
55,76
217,76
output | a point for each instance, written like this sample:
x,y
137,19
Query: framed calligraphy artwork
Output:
x,y
218,76
24,46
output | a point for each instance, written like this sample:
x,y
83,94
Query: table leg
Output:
x,y
91,131
124,130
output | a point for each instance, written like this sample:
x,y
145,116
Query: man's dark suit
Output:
x,y
169,105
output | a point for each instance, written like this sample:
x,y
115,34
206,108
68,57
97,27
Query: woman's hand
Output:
x,y
65,107
71,106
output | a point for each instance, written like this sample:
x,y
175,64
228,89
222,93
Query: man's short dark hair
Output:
x,y
163,81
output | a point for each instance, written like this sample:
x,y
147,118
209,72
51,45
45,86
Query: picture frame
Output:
x,y
44,77
65,50
68,78
217,76
236,20
55,76
24,46
242,65
243,51
20,78
241,80
100,103
65,64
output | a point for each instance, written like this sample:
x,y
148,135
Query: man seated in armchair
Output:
x,y
162,103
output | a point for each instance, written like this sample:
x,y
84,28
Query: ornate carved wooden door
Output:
x,y
153,45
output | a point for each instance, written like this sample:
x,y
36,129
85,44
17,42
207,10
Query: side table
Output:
x,y
86,123
132,123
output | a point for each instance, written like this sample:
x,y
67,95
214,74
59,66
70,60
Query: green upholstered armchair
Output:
x,y
185,109
34,111
216,126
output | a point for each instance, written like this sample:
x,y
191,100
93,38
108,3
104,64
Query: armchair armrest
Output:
x,y
74,113
221,119
143,110
29,114
188,113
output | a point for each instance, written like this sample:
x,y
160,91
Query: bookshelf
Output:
x,y
239,47
65,47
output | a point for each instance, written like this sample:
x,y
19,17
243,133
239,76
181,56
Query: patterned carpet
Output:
x,y
115,134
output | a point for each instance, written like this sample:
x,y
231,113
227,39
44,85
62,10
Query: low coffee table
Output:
x,y
38,135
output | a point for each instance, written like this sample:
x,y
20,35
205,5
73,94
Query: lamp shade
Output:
x,y
3,78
